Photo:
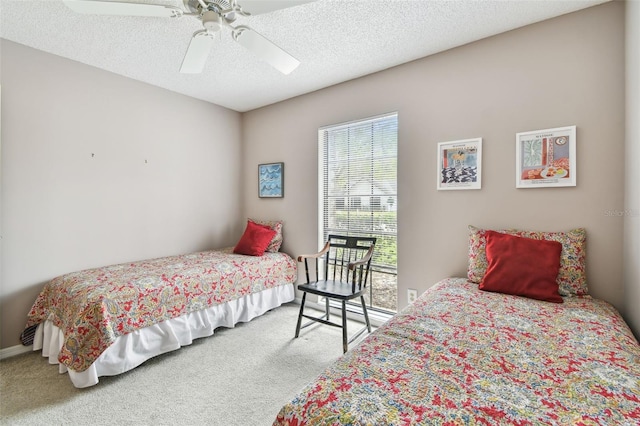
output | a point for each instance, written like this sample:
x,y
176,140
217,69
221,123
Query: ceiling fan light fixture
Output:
x,y
230,17
211,21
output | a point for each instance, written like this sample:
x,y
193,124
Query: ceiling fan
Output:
x,y
214,14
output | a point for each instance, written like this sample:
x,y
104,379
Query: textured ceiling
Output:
x,y
335,41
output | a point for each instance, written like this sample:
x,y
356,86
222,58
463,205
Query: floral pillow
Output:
x,y
572,279
276,225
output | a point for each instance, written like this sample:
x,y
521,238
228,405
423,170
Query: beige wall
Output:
x,y
632,177
565,71
99,169
64,210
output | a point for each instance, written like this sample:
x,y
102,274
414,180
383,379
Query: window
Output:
x,y
358,194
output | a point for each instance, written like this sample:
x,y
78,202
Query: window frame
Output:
x,y
347,203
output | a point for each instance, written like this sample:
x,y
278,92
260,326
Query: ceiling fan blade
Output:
x,y
197,53
256,7
91,7
265,50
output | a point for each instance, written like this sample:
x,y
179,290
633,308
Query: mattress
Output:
x,y
460,355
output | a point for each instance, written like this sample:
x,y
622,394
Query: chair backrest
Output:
x,y
349,259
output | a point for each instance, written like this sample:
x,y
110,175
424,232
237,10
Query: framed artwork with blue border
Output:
x,y
271,180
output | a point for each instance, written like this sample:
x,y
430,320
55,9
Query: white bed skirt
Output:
x,y
132,349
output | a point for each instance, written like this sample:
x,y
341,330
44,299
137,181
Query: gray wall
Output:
x,y
564,71
632,176
100,169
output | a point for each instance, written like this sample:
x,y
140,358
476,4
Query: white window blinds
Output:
x,y
358,183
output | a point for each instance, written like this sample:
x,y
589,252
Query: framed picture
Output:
x,y
460,164
271,180
546,158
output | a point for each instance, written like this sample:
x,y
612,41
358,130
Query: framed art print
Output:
x,y
546,158
271,180
460,164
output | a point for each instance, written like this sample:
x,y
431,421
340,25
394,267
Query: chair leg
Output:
x,y
366,315
326,302
344,327
304,297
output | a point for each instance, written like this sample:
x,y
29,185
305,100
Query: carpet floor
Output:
x,y
239,376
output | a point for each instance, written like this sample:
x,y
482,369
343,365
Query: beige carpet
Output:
x,y
239,376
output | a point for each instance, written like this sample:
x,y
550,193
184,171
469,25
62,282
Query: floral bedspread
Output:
x,y
95,306
461,356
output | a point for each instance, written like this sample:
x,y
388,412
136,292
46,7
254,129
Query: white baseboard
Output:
x,y
14,350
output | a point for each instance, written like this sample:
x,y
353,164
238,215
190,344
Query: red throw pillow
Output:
x,y
522,267
255,240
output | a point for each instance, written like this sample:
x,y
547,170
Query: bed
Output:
x,y
106,321
464,354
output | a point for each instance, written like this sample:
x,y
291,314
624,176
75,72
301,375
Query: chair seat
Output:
x,y
331,288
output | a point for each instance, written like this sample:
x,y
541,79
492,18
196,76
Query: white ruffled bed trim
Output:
x,y
132,349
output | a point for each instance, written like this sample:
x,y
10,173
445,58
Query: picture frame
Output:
x,y
546,158
271,180
460,164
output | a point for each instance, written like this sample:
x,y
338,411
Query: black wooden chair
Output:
x,y
339,271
